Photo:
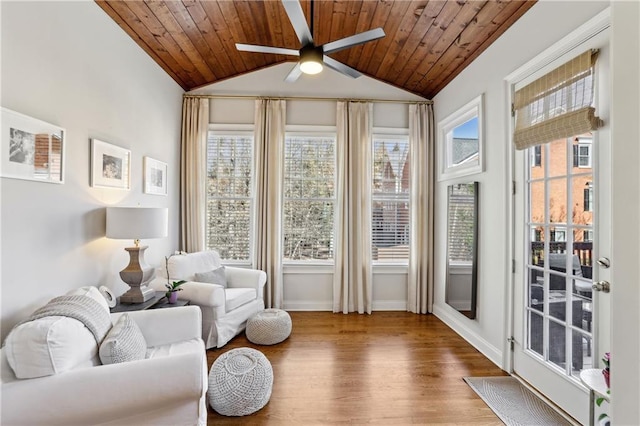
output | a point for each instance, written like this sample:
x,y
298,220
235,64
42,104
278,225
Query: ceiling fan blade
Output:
x,y
353,40
298,20
266,49
293,74
340,67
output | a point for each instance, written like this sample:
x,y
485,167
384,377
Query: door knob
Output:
x,y
602,286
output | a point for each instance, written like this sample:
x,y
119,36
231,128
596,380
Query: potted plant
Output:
x,y
172,290
172,287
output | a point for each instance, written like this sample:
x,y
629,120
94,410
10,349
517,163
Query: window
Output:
x,y
230,195
588,197
309,196
582,153
558,234
390,197
536,157
460,141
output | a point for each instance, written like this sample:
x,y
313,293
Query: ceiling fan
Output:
x,y
311,56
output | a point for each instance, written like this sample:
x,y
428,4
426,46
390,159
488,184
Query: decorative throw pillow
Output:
x,y
123,343
217,276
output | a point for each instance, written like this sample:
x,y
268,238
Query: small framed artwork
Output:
x,y
31,149
155,176
461,141
110,165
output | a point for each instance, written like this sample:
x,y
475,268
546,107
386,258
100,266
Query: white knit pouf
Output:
x,y
240,382
268,327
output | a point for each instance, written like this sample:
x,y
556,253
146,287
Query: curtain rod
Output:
x,y
302,98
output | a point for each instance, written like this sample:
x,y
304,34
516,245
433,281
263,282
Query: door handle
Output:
x,y
602,286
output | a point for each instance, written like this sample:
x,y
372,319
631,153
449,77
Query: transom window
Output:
x,y
230,194
309,196
390,229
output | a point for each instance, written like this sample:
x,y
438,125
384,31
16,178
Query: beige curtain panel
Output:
x,y
421,261
270,117
352,278
193,173
557,105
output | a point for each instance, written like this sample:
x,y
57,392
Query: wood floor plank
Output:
x,y
384,368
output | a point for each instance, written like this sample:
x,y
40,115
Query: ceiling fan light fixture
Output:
x,y
311,59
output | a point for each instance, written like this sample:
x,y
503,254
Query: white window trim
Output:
x,y
444,136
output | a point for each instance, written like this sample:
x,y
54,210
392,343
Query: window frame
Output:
x,y
246,130
445,128
297,130
583,144
398,134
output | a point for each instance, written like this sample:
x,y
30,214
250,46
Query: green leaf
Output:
x,y
603,416
599,401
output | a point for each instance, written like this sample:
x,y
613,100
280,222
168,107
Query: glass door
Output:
x,y
561,228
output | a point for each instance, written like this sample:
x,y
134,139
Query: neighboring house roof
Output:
x,y
464,149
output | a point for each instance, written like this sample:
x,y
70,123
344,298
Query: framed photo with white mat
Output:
x,y
110,166
31,149
155,176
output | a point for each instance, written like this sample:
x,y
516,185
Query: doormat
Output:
x,y
513,403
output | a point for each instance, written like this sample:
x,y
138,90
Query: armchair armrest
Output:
x,y
165,326
201,294
242,277
104,393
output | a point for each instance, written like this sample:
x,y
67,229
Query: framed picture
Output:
x,y
110,165
155,176
31,149
461,141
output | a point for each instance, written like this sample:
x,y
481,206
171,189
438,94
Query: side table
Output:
x,y
593,379
157,302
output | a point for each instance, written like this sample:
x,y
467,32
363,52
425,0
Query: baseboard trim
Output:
x,y
457,325
302,305
380,305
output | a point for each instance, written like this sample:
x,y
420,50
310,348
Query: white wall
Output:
x,y
625,196
312,288
69,64
522,42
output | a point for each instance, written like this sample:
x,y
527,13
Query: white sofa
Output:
x,y
167,388
224,310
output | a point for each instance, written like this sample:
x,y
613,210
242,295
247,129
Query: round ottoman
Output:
x,y
268,327
240,382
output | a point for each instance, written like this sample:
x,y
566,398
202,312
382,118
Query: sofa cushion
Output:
x,y
179,348
236,297
185,266
50,345
216,276
123,343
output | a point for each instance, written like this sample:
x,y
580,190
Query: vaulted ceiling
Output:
x,y
427,42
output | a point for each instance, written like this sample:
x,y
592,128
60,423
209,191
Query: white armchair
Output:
x,y
224,310
167,388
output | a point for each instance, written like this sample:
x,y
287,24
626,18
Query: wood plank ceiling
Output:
x,y
427,42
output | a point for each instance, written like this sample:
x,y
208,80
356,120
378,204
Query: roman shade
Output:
x,y
558,104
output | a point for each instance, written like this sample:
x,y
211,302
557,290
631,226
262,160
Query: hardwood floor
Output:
x,y
385,368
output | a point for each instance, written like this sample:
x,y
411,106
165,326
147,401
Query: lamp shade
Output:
x,y
137,223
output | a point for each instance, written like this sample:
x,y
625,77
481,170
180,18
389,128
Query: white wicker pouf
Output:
x,y
268,327
240,382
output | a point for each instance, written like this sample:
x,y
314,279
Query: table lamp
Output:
x,y
136,223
